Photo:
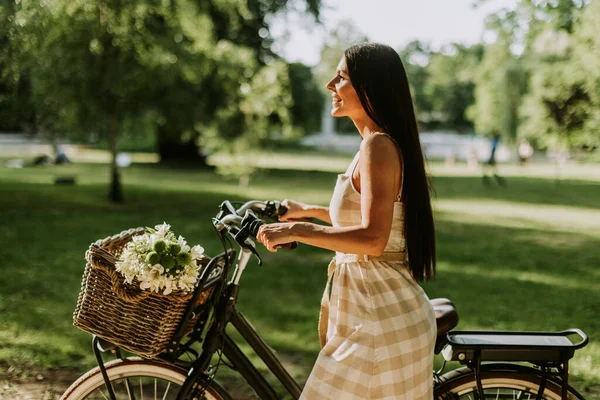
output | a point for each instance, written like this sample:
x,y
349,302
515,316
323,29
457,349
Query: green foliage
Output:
x,y
500,82
16,112
416,56
307,96
562,108
101,66
450,85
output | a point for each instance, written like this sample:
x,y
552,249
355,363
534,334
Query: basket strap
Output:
x,y
128,294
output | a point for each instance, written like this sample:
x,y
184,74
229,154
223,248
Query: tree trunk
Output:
x,y
170,148
115,193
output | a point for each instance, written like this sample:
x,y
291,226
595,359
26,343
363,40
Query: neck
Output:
x,y
365,126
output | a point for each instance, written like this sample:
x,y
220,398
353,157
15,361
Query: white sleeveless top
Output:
x,y
345,210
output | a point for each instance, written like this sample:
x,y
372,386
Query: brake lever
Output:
x,y
249,227
252,247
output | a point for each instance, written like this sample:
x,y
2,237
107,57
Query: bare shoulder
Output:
x,y
380,148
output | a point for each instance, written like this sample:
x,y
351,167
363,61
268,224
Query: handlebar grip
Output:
x,y
281,210
254,225
287,246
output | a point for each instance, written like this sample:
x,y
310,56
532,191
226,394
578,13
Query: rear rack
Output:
x,y
551,351
534,347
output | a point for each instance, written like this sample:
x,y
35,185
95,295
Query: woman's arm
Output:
x,y
298,210
379,183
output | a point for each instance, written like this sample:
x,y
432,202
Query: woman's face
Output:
x,y
344,100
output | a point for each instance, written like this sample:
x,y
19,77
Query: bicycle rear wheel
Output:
x,y
137,379
461,384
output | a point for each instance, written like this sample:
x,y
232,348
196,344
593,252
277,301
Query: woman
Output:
x,y
379,333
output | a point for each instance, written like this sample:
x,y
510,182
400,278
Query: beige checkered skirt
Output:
x,y
378,332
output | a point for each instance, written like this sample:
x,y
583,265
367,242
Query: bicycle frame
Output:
x,y
247,369
218,338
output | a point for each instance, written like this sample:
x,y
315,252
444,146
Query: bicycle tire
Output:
x,y
499,382
90,386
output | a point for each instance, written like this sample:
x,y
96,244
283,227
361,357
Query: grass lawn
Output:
x,y
521,257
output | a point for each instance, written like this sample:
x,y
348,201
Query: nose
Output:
x,y
331,85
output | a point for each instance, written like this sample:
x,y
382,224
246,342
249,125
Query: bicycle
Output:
x,y
493,361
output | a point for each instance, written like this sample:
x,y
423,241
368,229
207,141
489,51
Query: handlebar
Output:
x,y
245,221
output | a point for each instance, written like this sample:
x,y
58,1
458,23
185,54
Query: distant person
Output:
x,y
525,152
472,160
490,166
61,156
377,328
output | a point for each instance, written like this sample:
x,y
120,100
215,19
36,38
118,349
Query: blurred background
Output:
x,y
116,114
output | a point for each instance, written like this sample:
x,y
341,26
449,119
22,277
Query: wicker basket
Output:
x,y
139,321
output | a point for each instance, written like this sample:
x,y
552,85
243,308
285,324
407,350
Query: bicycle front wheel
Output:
x,y
462,384
138,379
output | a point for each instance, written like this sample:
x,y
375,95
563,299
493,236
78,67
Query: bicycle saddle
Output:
x,y
446,318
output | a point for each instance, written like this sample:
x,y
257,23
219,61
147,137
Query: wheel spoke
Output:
x,y
129,391
167,391
521,394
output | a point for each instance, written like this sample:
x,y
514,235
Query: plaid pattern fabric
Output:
x,y
380,327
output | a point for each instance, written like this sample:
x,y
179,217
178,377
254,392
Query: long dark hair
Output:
x,y
379,78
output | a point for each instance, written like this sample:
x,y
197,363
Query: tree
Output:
x,y
308,100
500,84
416,56
99,64
15,84
243,24
561,109
500,80
450,85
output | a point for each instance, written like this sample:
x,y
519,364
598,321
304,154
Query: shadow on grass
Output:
x,y
488,269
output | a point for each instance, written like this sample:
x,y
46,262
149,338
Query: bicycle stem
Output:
x,y
243,258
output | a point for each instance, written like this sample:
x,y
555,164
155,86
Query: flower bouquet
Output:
x,y
160,262
137,286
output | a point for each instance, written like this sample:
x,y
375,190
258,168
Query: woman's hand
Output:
x,y
272,235
296,210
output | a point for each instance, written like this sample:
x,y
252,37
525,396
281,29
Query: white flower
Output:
x,y
184,246
162,229
170,285
187,282
156,271
133,266
129,277
197,252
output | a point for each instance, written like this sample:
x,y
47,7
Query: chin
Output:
x,y
337,112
